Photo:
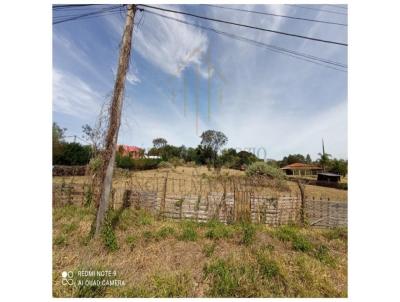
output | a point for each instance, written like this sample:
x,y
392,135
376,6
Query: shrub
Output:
x,y
126,162
263,169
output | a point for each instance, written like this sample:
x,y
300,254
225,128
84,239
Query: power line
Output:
x,y
276,15
244,25
317,9
295,54
80,16
336,6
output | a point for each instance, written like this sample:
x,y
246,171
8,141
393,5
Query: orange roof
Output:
x,y
127,148
301,166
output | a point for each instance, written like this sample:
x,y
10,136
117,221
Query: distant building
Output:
x,y
328,177
152,156
301,169
132,151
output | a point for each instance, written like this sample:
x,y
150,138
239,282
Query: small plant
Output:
x,y
131,241
224,283
301,243
144,218
109,238
147,235
321,252
188,234
60,240
285,233
268,268
209,249
249,232
337,233
219,231
164,232
88,197
70,227
179,203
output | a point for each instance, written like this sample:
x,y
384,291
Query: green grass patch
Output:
x,y
131,241
60,240
248,234
107,232
165,232
337,233
188,233
208,249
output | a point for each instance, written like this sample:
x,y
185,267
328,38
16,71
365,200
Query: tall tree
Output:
x,y
213,140
159,142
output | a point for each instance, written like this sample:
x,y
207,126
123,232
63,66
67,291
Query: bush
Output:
x,y
126,162
72,154
263,169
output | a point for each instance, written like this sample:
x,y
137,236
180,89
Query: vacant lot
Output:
x,y
182,177
165,258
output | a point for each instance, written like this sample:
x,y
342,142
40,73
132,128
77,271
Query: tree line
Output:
x,y
208,152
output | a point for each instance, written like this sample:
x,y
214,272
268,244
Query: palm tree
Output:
x,y
324,159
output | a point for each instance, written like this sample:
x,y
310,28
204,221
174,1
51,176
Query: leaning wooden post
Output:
x,y
114,120
302,206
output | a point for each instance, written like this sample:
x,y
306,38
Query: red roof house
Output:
x,y
132,151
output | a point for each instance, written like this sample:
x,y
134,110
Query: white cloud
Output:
x,y
167,44
73,96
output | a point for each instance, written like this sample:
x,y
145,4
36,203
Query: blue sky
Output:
x,y
258,98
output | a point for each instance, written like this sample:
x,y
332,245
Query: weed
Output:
x,y
88,286
188,234
60,240
269,268
301,243
179,203
108,235
219,231
131,241
144,218
164,232
321,252
249,232
148,235
70,227
285,233
337,233
209,249
223,280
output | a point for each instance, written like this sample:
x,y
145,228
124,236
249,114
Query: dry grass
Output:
x,y
156,259
185,177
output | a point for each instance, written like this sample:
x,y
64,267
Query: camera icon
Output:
x,y
67,278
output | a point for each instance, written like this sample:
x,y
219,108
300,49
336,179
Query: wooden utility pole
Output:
x,y
114,119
